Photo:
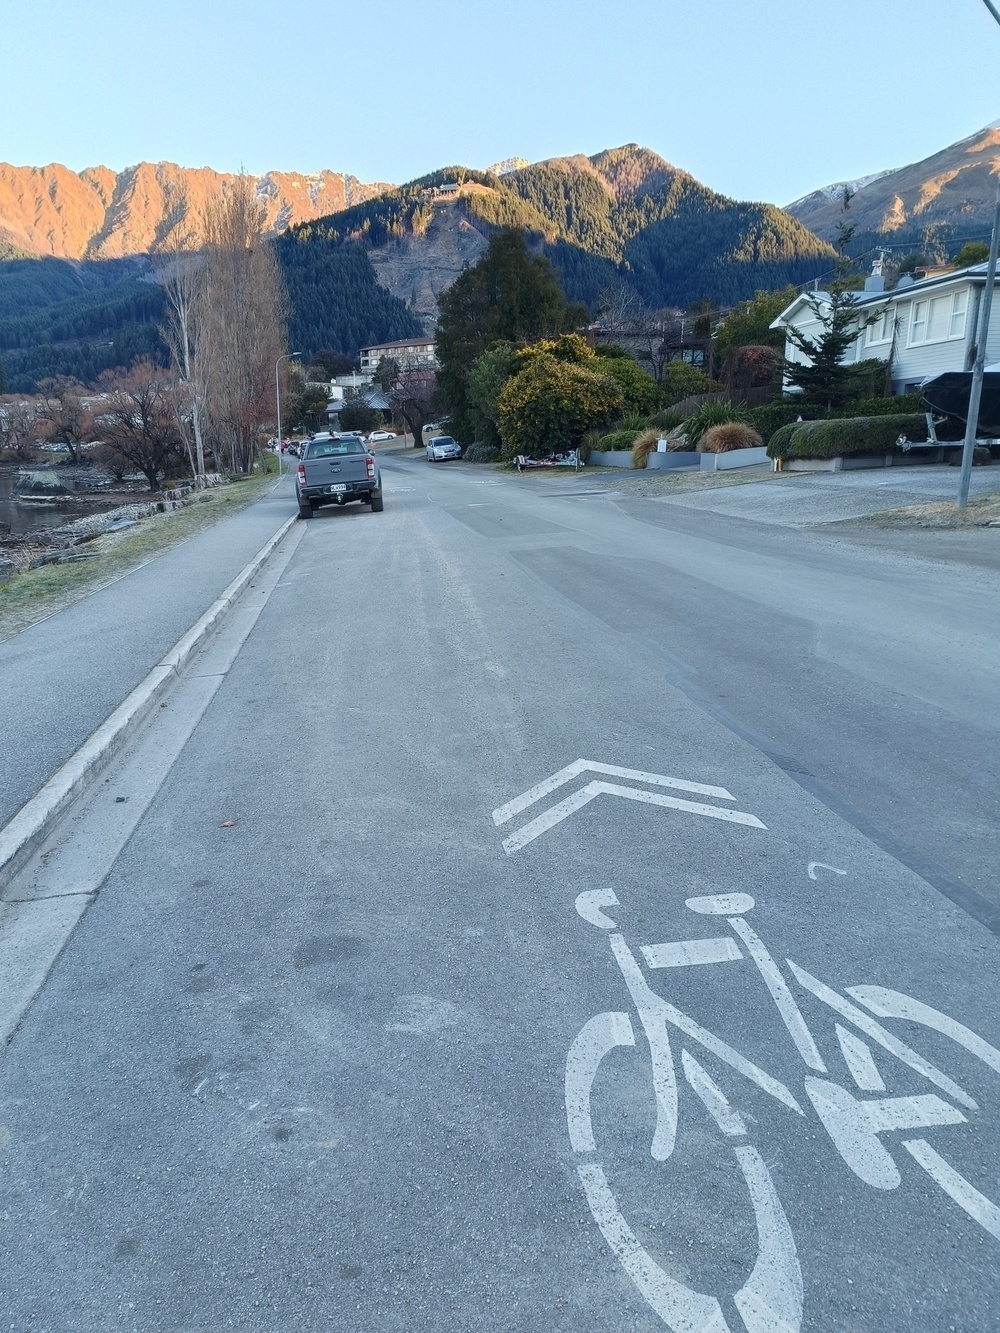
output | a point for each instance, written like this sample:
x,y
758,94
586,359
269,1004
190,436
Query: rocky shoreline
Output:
x,y
46,546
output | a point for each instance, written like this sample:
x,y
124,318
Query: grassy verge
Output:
x,y
982,511
39,592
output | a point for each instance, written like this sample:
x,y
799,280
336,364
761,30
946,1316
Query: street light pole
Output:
x,y
976,390
982,333
289,356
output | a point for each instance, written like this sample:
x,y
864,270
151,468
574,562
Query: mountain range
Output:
x,y
103,214
952,191
366,262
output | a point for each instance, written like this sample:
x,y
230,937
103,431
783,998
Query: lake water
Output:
x,y
27,517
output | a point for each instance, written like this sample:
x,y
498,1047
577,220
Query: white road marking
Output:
x,y
771,1299
689,953
680,1308
589,905
860,1061
557,813
714,1100
653,1018
721,904
854,1126
979,1208
780,994
656,1010
894,1004
571,771
884,1038
821,865
596,1038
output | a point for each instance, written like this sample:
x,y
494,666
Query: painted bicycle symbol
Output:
x,y
771,1300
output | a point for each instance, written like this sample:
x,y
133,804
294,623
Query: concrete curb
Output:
x,y
23,833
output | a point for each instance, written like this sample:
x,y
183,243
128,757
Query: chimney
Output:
x,y
875,282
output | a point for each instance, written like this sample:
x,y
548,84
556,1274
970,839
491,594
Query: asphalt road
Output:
x,y
325,1054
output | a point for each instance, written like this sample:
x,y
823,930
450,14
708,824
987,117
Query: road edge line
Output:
x,y
24,831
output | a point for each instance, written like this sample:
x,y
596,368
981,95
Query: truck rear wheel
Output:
x,y
378,504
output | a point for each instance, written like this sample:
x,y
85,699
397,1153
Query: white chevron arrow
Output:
x,y
564,808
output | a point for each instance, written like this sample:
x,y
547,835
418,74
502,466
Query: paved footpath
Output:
x,y
63,676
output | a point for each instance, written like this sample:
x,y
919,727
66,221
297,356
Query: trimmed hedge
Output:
x,y
845,436
771,417
482,453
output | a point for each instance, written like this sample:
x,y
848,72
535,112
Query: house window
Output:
x,y
880,330
940,318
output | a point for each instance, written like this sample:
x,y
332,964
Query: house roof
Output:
x,y
975,273
406,342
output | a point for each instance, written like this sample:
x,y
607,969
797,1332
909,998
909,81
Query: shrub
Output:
x,y
846,436
618,439
771,416
550,404
645,445
778,444
712,414
884,407
482,453
681,380
641,392
732,435
667,419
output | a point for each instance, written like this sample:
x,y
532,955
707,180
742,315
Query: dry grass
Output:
x,y
982,511
38,593
728,436
645,445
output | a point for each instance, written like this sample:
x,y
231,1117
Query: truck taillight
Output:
x,y
371,466
301,470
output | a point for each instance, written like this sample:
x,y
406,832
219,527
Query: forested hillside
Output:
x,y
374,271
622,215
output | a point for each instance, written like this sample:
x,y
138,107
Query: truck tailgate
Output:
x,y
336,468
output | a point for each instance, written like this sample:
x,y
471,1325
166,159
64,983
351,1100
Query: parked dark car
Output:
x,y
337,470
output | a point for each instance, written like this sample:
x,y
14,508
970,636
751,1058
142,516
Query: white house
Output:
x,y
922,328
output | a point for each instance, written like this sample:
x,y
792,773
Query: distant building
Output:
x,y
411,353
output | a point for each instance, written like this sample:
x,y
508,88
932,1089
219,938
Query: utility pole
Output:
x,y
982,333
976,391
289,356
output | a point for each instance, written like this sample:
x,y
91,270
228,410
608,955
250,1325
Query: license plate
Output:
x,y
334,489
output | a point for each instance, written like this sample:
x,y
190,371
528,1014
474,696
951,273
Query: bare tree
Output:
x,y
179,266
19,428
139,421
63,414
411,393
241,312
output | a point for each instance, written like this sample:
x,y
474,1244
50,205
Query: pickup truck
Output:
x,y
335,470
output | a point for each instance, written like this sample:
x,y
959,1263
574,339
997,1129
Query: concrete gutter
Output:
x,y
20,837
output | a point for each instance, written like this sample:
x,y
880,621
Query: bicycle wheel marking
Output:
x,y
680,1308
596,1039
979,1208
771,1301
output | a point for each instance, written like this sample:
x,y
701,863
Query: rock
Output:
x,y
39,484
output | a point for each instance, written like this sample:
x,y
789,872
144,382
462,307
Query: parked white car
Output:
x,y
441,448
377,436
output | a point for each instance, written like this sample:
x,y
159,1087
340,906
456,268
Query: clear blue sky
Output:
x,y
761,99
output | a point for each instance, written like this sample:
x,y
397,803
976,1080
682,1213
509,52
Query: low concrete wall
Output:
x,y
668,462
838,464
610,458
734,458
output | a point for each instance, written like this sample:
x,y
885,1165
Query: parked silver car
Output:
x,y
441,448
